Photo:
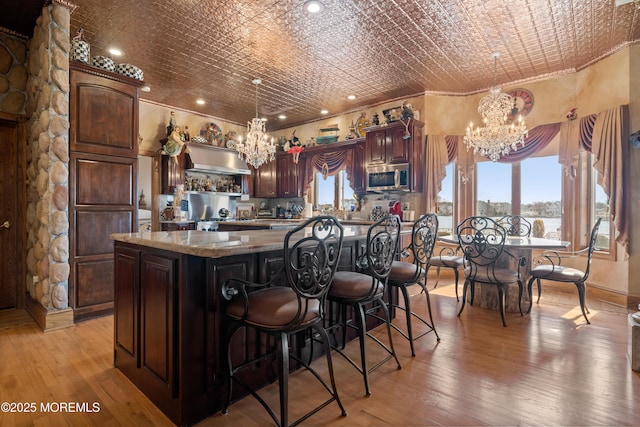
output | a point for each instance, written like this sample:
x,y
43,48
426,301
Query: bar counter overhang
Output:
x,y
169,307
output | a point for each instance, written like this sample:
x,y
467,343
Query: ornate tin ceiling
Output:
x,y
376,50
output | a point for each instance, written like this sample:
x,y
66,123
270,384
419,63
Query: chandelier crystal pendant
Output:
x,y
256,149
498,137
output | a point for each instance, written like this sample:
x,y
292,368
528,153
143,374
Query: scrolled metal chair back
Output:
x,y
382,245
482,241
311,253
592,246
423,238
516,225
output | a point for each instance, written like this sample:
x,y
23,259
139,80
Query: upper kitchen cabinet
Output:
x,y
288,180
103,168
386,145
265,184
104,112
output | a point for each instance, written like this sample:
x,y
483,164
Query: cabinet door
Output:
x,y
265,180
287,176
359,176
172,172
398,149
126,313
98,210
103,115
158,326
376,147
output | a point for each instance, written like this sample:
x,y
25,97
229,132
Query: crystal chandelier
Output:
x,y
498,137
256,149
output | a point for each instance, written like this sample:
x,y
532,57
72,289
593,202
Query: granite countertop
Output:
x,y
222,243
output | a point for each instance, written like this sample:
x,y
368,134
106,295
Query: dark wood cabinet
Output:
x,y
103,169
288,176
157,339
389,145
172,172
359,175
266,180
175,226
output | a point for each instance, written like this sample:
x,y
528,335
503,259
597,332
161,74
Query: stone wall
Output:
x,y
13,74
47,111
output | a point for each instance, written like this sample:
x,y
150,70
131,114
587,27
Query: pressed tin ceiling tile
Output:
x,y
374,49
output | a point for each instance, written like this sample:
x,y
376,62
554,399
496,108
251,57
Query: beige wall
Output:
x,y
154,119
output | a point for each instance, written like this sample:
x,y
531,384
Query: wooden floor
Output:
x,y
547,368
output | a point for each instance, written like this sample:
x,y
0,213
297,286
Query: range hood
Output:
x,y
204,158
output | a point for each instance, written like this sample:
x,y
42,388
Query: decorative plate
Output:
x,y
212,133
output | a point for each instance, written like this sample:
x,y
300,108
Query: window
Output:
x,y
541,195
531,188
493,185
445,202
333,193
600,209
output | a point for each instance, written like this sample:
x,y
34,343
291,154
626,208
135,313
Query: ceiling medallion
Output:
x,y
499,136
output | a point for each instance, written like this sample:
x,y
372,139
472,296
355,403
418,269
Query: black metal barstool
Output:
x,y
311,255
404,274
360,289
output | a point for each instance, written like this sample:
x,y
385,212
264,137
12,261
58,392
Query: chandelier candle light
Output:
x,y
256,149
498,137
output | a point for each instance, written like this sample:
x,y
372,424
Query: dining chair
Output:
x,y
448,257
482,240
549,267
404,274
516,225
363,291
311,255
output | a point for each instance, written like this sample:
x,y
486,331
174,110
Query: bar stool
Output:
x,y
311,255
359,289
404,274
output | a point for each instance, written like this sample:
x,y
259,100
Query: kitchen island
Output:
x,y
169,322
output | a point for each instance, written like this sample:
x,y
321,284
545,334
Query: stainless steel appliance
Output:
x,y
207,226
388,177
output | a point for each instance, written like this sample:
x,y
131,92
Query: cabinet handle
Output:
x,y
6,224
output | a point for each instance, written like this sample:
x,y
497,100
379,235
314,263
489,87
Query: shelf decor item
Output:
x,y
130,71
79,48
295,147
326,139
103,62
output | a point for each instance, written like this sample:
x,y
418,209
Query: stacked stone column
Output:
x,y
47,110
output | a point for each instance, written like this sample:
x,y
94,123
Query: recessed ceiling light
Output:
x,y
352,97
115,52
146,88
324,112
200,101
313,6
264,119
282,117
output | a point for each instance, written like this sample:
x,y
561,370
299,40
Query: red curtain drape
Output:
x,y
538,138
335,161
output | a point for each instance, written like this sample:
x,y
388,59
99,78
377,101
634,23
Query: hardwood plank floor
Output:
x,y
547,368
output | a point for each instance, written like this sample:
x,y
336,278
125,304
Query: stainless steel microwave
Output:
x,y
388,177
